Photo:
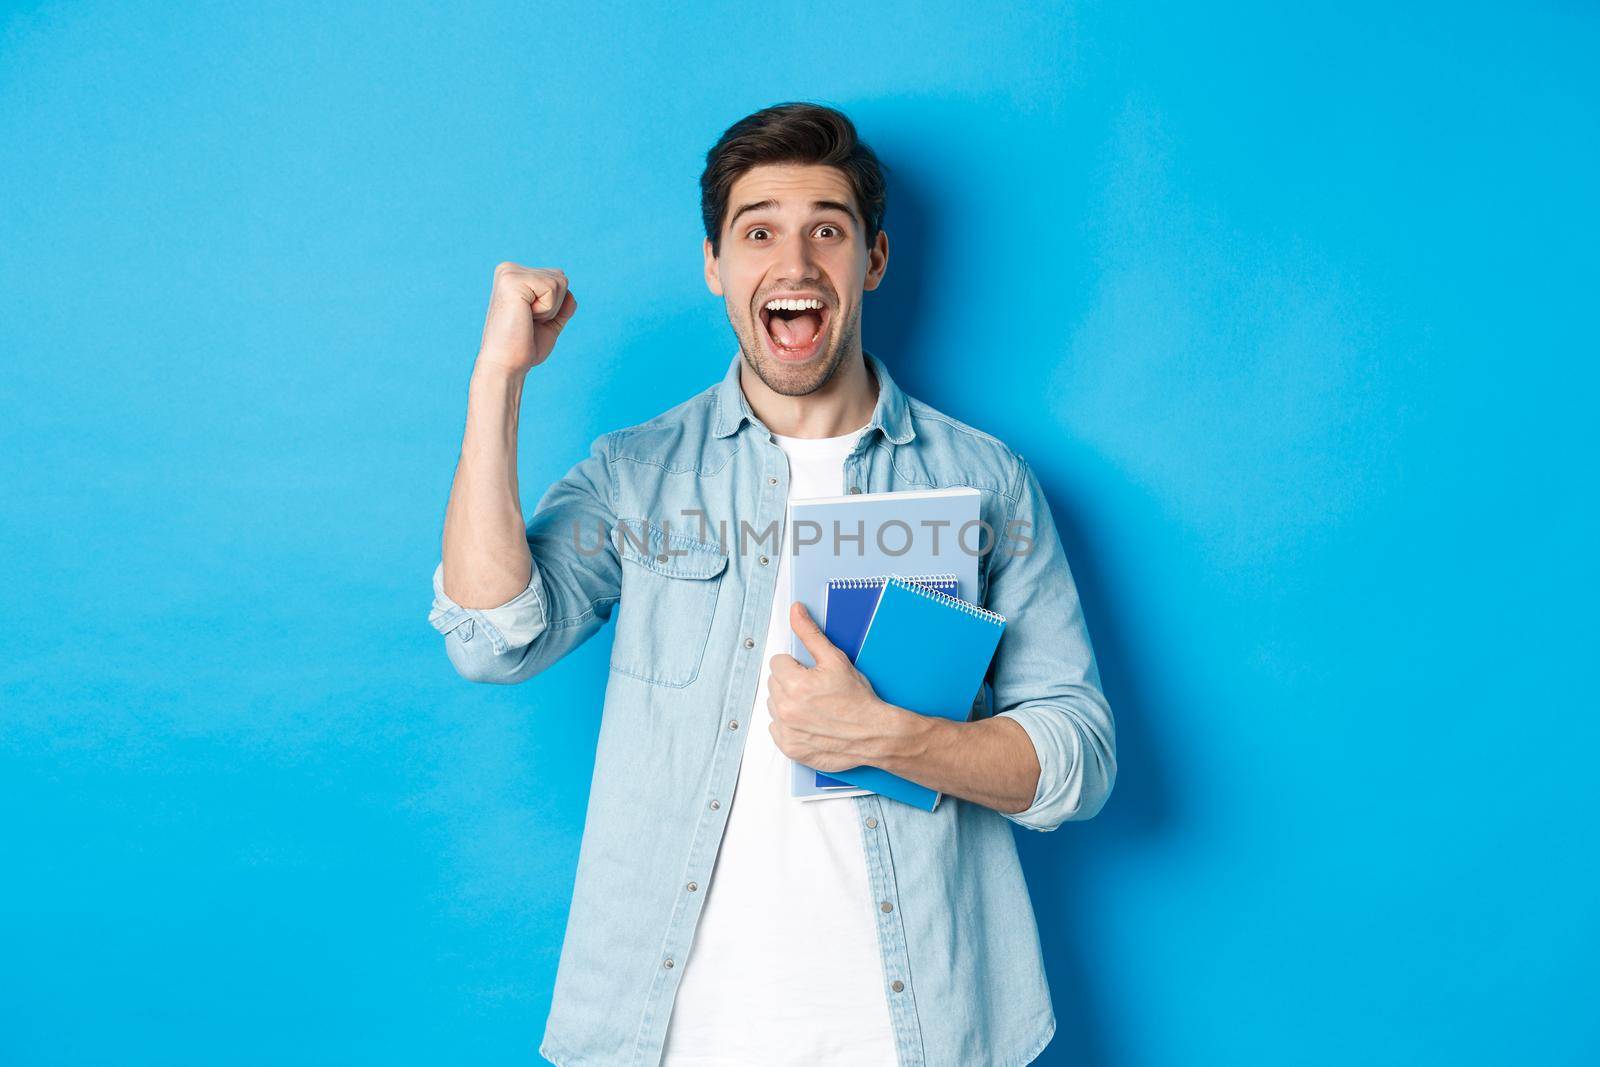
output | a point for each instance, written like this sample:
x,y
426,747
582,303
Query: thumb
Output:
x,y
822,650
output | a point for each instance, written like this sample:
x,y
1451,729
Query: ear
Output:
x,y
713,276
877,261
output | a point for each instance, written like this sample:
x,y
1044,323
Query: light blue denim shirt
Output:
x,y
620,535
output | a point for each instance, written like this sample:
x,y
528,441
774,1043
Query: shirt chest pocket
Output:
x,y
669,593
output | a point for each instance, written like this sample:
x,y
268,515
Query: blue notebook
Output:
x,y
860,535
847,608
927,652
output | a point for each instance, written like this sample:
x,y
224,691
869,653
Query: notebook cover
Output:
x,y
934,517
926,652
847,608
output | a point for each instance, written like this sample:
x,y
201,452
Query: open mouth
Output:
x,y
794,327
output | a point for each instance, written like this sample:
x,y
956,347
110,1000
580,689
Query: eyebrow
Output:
x,y
816,205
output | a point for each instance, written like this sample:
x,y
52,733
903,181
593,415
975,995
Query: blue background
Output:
x,y
1292,312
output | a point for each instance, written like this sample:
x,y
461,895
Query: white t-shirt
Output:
x,y
785,967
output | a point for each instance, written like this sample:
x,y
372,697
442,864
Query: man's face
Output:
x,y
795,231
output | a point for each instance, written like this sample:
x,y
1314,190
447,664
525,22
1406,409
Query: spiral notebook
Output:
x,y
927,652
858,535
847,608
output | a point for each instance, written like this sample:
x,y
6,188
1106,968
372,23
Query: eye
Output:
x,y
758,229
828,226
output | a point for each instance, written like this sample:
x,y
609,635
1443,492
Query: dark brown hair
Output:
x,y
792,133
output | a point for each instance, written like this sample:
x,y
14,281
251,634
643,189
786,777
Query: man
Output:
x,y
716,920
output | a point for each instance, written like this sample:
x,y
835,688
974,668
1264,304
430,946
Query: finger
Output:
x,y
550,294
569,307
822,650
542,289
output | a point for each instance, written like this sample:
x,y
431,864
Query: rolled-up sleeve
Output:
x,y
1044,675
511,625
575,582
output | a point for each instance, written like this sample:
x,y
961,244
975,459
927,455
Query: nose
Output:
x,y
797,264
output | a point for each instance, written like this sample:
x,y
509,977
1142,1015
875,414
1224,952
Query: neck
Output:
x,y
843,404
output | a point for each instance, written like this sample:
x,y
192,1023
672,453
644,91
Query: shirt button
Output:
x,y
715,804
855,489
872,823
662,558
668,965
886,907
749,643
772,481
733,724
763,561
897,985
692,887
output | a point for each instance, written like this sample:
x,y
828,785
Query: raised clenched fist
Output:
x,y
528,308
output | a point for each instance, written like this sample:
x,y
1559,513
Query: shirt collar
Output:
x,y
891,414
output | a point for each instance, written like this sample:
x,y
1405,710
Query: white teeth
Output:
x,y
794,305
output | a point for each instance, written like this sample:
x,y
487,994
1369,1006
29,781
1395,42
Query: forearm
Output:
x,y
987,761
485,549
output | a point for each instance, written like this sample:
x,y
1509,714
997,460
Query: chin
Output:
x,y
795,378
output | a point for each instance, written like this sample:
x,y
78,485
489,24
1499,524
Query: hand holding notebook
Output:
x,y
927,652
861,535
848,605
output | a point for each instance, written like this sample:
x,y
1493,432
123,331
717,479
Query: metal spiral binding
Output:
x,y
867,583
945,598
